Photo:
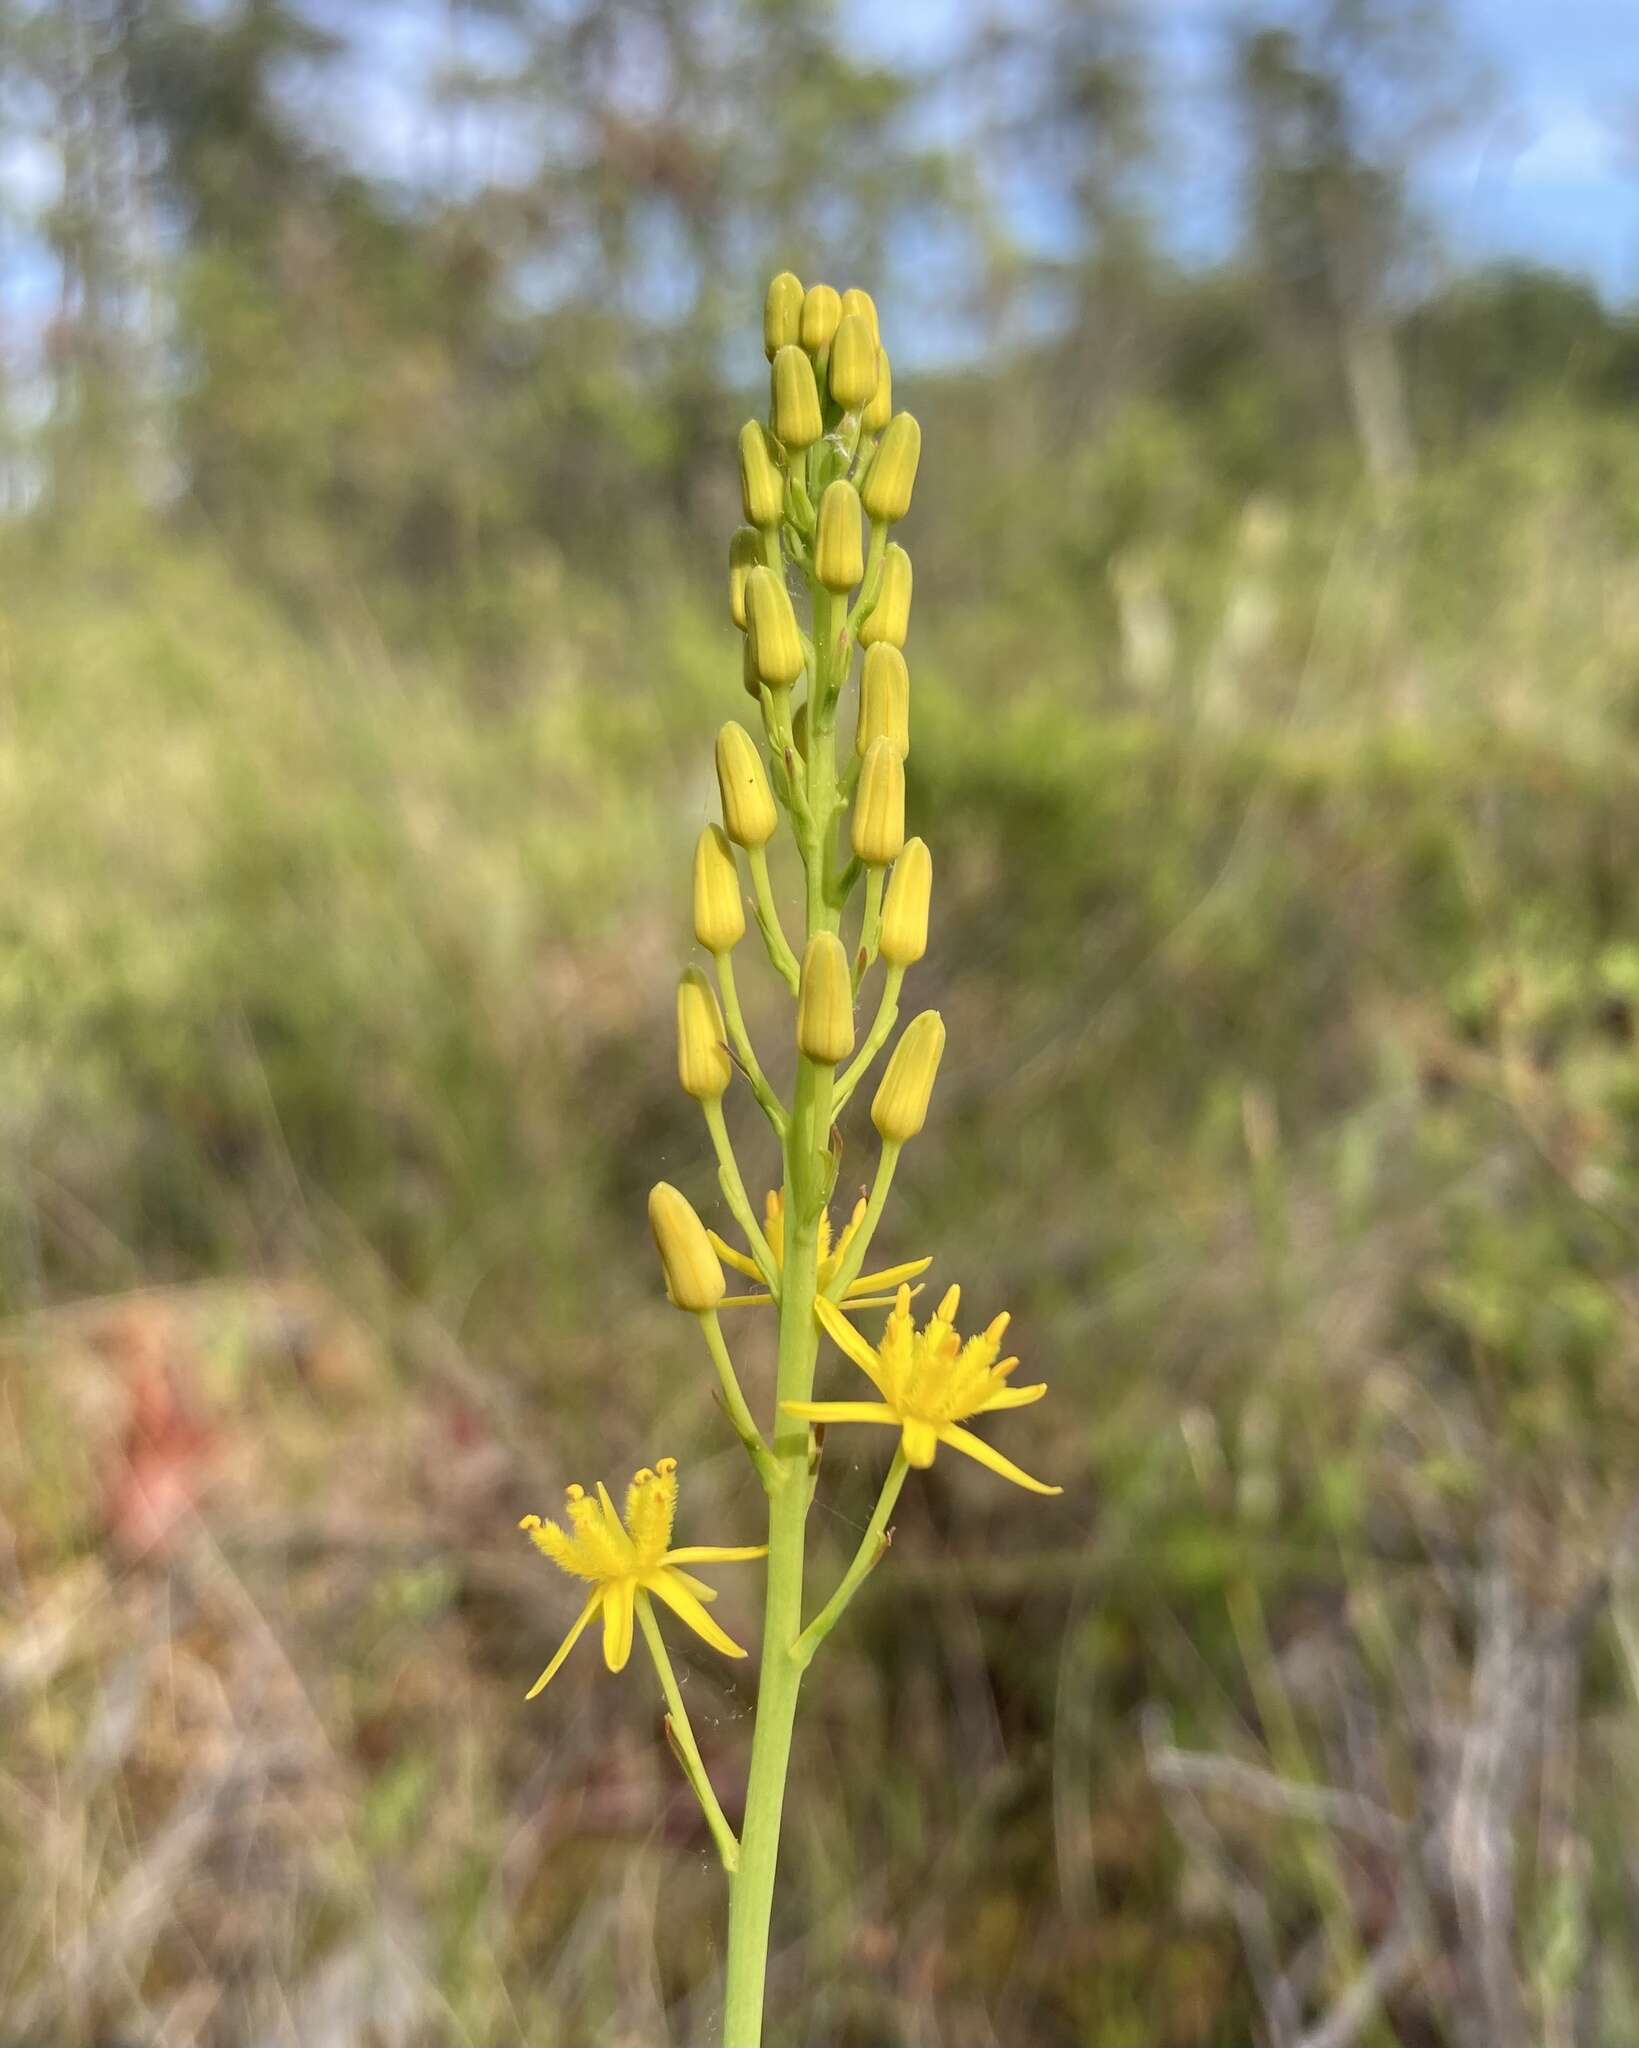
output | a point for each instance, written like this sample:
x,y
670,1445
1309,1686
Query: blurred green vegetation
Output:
x,y
1280,792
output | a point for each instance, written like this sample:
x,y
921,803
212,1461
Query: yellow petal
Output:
x,y
975,1447
568,1643
618,1614
846,1338
697,1587
849,1230
552,1542
731,1257
919,1441
668,1586
890,1276
843,1411
651,1505
745,1301
614,1526
714,1553
1011,1397
855,1302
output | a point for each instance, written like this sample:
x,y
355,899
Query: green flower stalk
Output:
x,y
822,485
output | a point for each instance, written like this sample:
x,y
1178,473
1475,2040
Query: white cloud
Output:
x,y
1568,145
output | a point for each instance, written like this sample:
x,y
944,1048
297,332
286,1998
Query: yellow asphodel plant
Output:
x,y
824,484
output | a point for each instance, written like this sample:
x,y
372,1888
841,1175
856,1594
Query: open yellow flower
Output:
x,y
627,1561
930,1382
865,1292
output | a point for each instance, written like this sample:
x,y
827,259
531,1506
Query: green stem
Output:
x,y
842,885
768,919
871,1547
848,1271
828,607
808,1176
871,583
776,708
772,1106
886,1017
745,1427
734,1193
870,929
751,1897
686,1749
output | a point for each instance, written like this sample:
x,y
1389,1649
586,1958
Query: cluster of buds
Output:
x,y
823,484
825,480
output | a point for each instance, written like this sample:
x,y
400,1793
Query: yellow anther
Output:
x,y
573,1493
530,1522
665,1467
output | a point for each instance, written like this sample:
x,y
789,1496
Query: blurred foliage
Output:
x,y
354,686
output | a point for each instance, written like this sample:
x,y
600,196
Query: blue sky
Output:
x,y
1544,169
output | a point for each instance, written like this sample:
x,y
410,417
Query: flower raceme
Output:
x,y
865,1292
627,1561
930,1383
819,590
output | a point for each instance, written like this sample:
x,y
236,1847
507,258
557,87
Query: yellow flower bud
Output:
x,y
745,551
762,488
821,311
851,373
856,301
884,700
879,806
901,1105
748,670
880,410
825,1001
782,313
719,908
776,643
703,1064
694,1274
749,816
839,544
904,936
890,618
796,407
888,481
